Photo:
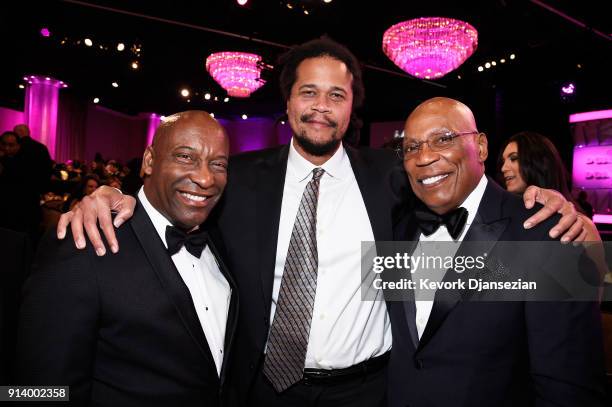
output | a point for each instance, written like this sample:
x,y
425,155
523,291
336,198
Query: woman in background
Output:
x,y
529,158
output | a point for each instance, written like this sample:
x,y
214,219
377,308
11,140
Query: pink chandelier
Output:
x,y
237,72
430,47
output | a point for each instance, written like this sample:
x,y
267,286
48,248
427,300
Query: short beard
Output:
x,y
317,150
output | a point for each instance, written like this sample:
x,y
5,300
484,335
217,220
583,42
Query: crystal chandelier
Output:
x,y
237,72
430,47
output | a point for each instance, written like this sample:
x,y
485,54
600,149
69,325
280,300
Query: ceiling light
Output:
x,y
494,63
45,32
503,61
488,65
21,87
327,1
306,12
207,96
96,100
568,89
239,73
289,5
212,115
430,46
120,46
480,69
135,65
88,42
242,2
512,56
115,84
185,92
244,117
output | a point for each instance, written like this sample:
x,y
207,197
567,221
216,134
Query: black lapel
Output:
x,y
271,173
374,190
488,226
169,277
232,315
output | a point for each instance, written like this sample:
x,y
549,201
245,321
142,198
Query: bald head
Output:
x,y
191,119
185,169
447,153
450,110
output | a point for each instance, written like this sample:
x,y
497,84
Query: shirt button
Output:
x,y
322,316
421,321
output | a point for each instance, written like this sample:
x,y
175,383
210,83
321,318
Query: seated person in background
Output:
x,y
449,352
153,325
86,186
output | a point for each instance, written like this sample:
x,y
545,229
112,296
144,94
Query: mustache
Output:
x,y
308,117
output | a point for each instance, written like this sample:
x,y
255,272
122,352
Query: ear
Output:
x,y
147,161
483,147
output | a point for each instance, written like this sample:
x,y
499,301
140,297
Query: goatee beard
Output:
x,y
316,149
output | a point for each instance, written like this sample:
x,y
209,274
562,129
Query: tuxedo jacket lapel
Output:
x,y
232,315
484,232
269,197
372,185
169,277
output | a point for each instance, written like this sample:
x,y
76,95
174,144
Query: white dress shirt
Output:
x,y
210,291
471,203
345,330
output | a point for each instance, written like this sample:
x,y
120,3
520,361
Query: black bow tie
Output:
x,y
429,221
194,242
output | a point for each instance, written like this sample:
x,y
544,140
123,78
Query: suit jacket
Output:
x,y
496,353
15,252
121,329
249,218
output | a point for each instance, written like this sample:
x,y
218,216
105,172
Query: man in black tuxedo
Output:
x,y
154,324
455,350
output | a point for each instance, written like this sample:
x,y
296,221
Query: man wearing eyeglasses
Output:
x,y
451,349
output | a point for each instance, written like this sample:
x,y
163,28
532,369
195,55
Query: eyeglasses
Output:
x,y
436,142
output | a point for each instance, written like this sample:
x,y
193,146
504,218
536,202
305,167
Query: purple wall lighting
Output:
x,y
152,122
41,104
588,116
45,32
430,47
592,168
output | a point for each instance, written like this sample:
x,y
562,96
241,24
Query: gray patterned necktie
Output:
x,y
288,340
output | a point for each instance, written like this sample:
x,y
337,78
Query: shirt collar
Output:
x,y
472,202
159,221
300,169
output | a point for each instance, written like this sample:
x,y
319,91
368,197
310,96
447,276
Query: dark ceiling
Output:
x,y
176,36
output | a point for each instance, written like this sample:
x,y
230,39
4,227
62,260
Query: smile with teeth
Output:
x,y
433,180
195,198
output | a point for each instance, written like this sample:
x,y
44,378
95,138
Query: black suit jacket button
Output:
x,y
266,321
418,364
252,366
